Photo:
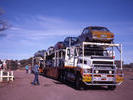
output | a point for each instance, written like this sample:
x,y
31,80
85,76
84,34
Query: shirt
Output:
x,y
26,67
36,67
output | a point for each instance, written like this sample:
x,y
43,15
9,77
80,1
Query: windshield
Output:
x,y
74,39
96,51
99,29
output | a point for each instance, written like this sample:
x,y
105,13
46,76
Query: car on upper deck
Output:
x,y
96,34
59,45
70,41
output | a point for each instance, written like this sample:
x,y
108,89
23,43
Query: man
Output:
x,y
36,72
27,68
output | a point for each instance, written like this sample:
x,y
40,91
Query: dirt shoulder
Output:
x,y
49,89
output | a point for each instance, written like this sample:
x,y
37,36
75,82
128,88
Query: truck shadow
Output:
x,y
72,85
58,82
84,87
131,78
47,85
95,88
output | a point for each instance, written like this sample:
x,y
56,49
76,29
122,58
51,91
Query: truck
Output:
x,y
85,63
92,64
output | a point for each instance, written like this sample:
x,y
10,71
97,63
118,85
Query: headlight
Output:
x,y
119,71
94,35
112,36
87,70
110,72
96,71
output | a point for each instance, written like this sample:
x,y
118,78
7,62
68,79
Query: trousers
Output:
x,y
36,80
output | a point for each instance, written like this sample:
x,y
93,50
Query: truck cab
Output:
x,y
96,64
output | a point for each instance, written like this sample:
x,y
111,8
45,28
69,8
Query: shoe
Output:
x,y
33,83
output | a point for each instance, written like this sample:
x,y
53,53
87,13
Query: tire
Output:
x,y
60,75
78,83
111,87
64,77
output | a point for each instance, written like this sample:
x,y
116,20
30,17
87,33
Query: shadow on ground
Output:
x,y
131,78
47,85
72,85
84,87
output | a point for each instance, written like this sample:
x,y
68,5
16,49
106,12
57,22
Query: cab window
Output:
x,y
68,52
81,61
85,62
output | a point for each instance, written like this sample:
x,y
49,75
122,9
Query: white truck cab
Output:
x,y
96,62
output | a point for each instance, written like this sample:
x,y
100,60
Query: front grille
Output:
x,y
105,71
102,62
103,82
104,66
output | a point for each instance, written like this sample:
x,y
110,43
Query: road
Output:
x,y
49,89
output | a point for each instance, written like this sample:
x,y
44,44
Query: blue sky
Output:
x,y
38,24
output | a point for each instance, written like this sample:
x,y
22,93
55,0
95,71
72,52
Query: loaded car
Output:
x,y
96,34
59,45
50,50
40,53
70,41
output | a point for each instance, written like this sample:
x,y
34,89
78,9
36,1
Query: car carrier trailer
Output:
x,y
87,63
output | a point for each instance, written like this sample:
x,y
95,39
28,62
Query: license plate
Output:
x,y
103,36
103,78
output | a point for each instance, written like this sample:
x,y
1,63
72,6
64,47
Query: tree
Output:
x,y
12,64
25,62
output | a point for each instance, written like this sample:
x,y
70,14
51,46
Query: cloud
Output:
x,y
2,35
130,44
15,28
127,56
29,34
42,27
32,33
15,56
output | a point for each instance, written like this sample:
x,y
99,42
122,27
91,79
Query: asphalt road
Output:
x,y
49,89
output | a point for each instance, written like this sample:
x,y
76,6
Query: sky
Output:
x,y
37,24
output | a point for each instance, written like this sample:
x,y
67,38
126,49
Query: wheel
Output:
x,y
64,77
111,87
78,83
60,75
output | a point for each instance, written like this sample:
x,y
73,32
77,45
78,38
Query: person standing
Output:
x,y
36,73
29,71
27,68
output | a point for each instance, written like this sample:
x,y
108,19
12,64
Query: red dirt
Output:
x,y
49,89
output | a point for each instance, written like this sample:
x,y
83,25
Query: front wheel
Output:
x,y
78,83
111,87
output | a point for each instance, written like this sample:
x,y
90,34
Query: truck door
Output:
x,y
69,59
